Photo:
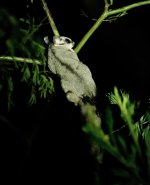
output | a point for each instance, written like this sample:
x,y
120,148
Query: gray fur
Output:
x,y
76,78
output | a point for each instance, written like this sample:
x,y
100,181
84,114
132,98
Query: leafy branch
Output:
x,y
31,67
133,157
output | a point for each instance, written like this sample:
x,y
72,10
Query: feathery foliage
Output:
x,y
130,152
23,41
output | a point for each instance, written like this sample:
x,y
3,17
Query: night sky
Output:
x,y
117,54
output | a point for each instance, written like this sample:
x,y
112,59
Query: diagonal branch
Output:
x,y
50,18
92,30
104,15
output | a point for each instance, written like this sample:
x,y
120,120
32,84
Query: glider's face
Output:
x,y
63,41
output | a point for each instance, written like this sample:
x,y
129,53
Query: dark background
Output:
x,y
47,143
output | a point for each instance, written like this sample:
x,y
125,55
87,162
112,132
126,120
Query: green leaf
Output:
x,y
26,73
35,78
33,98
46,86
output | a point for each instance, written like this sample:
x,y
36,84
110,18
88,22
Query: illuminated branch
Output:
x,y
128,7
104,15
49,16
20,59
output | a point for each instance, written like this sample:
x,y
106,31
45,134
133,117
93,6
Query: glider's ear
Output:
x,y
46,39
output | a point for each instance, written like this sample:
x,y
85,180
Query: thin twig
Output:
x,y
117,130
85,15
128,7
49,16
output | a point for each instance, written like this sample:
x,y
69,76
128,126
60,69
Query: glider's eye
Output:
x,y
68,41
